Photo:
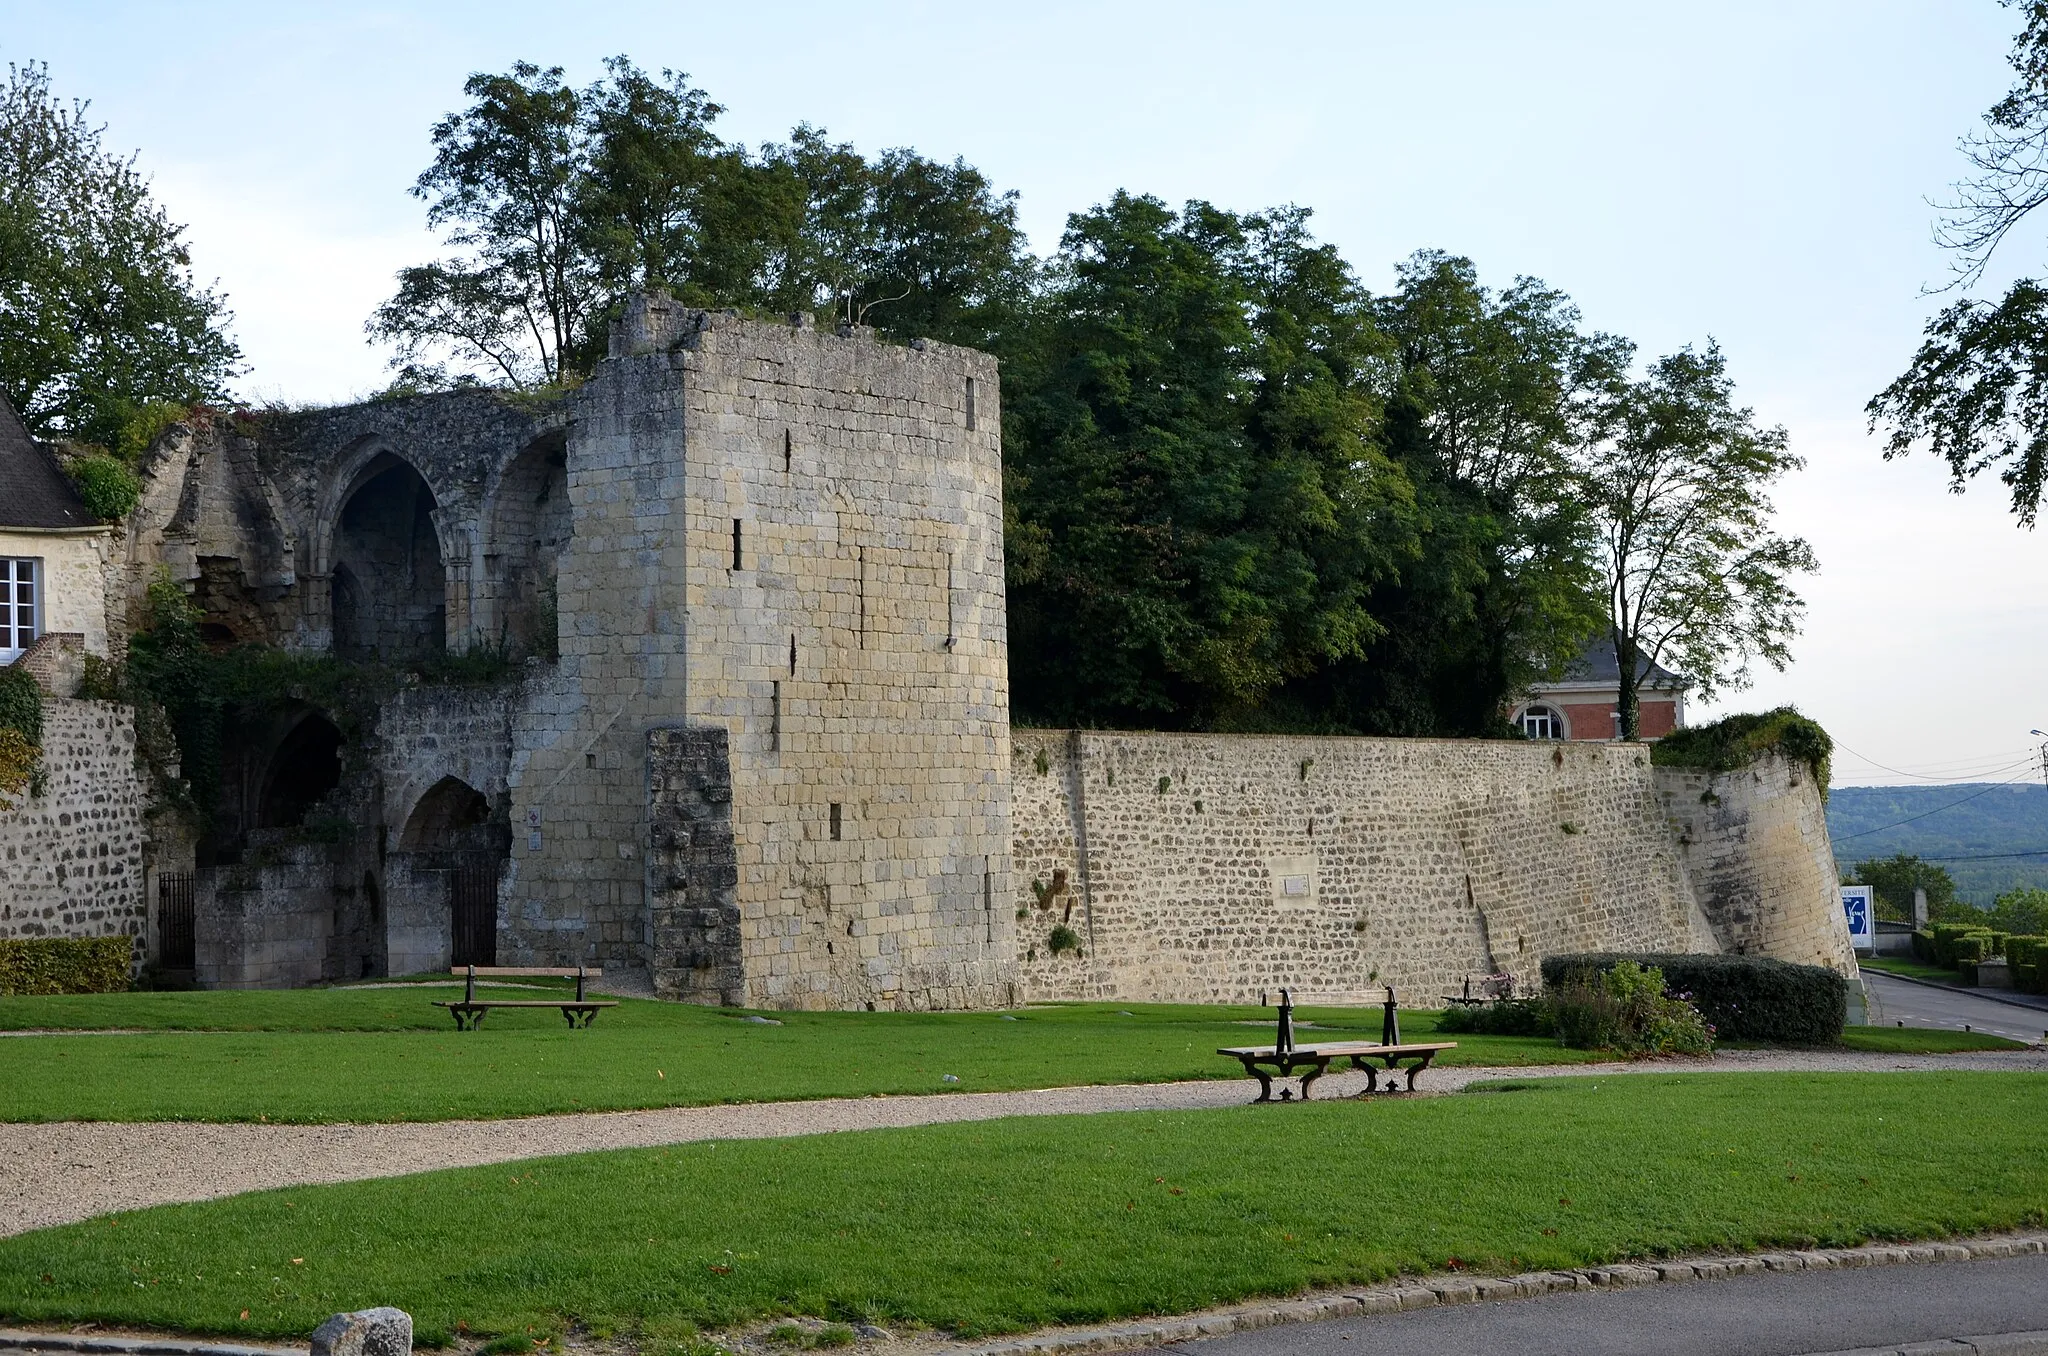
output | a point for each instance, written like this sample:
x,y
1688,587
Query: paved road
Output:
x,y
1773,1314
1893,1000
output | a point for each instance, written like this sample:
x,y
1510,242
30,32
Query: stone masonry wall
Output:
x,y
71,858
691,871
846,627
1755,843
1206,868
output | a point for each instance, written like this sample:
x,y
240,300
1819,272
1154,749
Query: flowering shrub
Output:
x,y
1627,1010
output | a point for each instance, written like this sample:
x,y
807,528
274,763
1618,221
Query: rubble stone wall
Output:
x,y
1206,868
71,857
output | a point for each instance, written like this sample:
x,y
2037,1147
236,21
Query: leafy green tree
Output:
x,y
562,200
1696,576
1189,422
1493,397
1976,393
99,312
504,187
647,198
1894,879
2022,912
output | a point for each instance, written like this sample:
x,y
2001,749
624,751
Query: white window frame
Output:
x,y
12,635
1547,713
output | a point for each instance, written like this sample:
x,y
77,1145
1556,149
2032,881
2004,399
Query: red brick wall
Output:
x,y
1595,720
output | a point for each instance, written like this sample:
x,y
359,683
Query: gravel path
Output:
x,y
73,1170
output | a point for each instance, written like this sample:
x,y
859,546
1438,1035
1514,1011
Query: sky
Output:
x,y
1758,174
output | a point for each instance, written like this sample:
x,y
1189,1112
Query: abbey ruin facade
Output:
x,y
746,728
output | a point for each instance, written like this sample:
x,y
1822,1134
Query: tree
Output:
x,y
1976,393
644,200
504,184
560,201
1495,395
100,317
1189,420
1695,574
1894,879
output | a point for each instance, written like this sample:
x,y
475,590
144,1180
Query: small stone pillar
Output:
x,y
366,1332
1919,908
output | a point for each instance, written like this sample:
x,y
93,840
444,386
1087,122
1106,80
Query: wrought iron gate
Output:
x,y
473,906
176,949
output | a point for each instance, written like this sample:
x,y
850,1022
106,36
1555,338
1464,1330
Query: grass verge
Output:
x,y
1911,969
1912,1040
1009,1224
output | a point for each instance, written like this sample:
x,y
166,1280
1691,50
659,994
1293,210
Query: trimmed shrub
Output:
x,y
1923,946
1509,1017
1969,949
1749,998
46,965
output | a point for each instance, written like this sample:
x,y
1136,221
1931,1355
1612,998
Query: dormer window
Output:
x,y
1542,722
21,613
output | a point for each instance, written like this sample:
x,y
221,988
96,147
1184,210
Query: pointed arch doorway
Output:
x,y
452,834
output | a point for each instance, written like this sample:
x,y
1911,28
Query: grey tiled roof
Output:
x,y
1598,665
33,492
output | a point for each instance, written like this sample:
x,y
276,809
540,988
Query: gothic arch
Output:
x,y
388,567
526,528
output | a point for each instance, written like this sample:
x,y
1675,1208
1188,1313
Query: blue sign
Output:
x,y
1857,910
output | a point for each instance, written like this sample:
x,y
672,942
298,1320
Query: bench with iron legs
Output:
x,y
470,1011
1315,1061
1286,1055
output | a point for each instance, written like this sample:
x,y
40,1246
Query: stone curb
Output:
x,y
1427,1292
1430,1292
14,1339
1989,995
1991,1344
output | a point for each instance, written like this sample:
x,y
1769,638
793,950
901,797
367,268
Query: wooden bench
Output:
x,y
1286,1054
1498,988
1315,1059
470,1012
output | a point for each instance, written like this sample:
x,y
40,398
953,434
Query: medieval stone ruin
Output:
x,y
750,734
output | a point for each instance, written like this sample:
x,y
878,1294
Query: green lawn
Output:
x,y
385,1054
319,1055
1000,1225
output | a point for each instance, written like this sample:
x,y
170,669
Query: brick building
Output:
x,y
1585,704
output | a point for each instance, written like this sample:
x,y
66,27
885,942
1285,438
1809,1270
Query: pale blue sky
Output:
x,y
1753,172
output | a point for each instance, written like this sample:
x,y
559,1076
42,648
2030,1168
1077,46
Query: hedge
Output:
x,y
43,965
1745,997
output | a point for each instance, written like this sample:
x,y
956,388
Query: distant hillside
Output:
x,y
1964,820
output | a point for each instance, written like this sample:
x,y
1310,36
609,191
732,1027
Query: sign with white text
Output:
x,y
1860,909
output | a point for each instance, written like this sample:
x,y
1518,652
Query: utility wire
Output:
x,y
1925,777
1987,856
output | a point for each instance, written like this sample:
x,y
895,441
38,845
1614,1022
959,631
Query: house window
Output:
x,y
21,613
1541,722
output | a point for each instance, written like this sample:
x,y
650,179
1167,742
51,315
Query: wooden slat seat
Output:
x,y
470,1011
1286,1054
1315,1059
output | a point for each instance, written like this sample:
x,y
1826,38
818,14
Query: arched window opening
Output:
x,y
527,535
303,770
389,588
1542,722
